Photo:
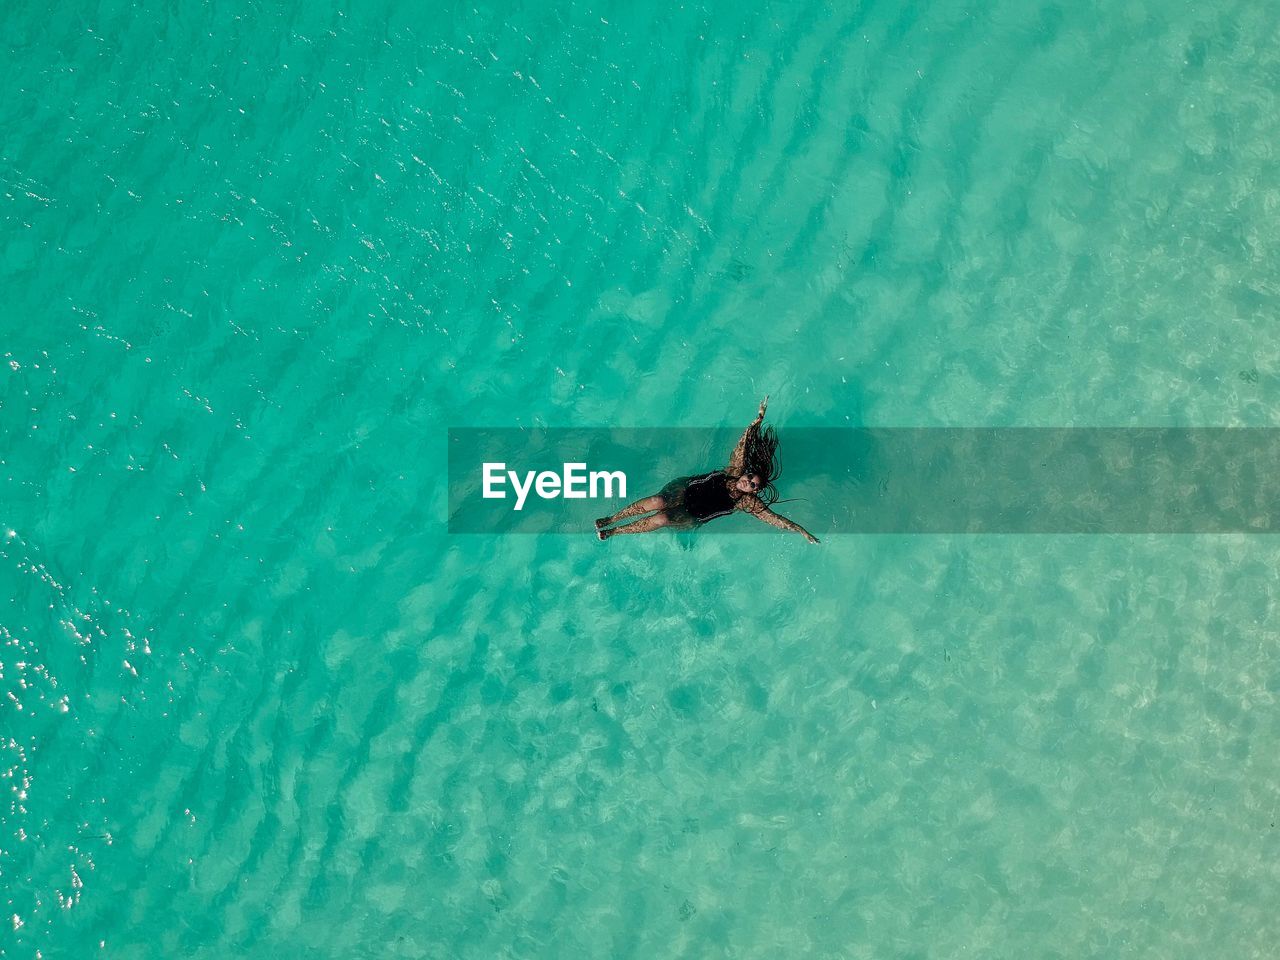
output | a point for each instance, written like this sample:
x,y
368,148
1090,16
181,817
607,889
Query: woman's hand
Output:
x,y
811,538
763,403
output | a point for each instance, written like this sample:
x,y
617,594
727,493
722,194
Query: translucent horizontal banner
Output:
x,y
884,480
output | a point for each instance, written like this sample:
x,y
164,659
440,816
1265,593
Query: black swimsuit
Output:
x,y
695,500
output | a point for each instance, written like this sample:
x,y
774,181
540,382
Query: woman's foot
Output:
x,y
603,534
603,522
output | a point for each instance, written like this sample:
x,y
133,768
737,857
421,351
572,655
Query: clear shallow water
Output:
x,y
255,261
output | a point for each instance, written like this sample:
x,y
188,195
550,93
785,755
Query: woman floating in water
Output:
x,y
745,484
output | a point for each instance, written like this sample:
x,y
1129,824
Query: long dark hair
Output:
x,y
761,458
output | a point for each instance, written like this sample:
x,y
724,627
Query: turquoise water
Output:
x,y
256,260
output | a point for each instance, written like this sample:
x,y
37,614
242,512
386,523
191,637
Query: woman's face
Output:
x,y
751,483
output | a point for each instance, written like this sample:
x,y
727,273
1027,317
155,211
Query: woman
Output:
x,y
745,484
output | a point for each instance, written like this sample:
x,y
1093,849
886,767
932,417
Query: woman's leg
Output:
x,y
644,525
647,505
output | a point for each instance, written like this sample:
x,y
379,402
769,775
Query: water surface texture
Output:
x,y
256,258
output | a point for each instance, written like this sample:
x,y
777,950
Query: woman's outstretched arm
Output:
x,y
760,510
739,452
